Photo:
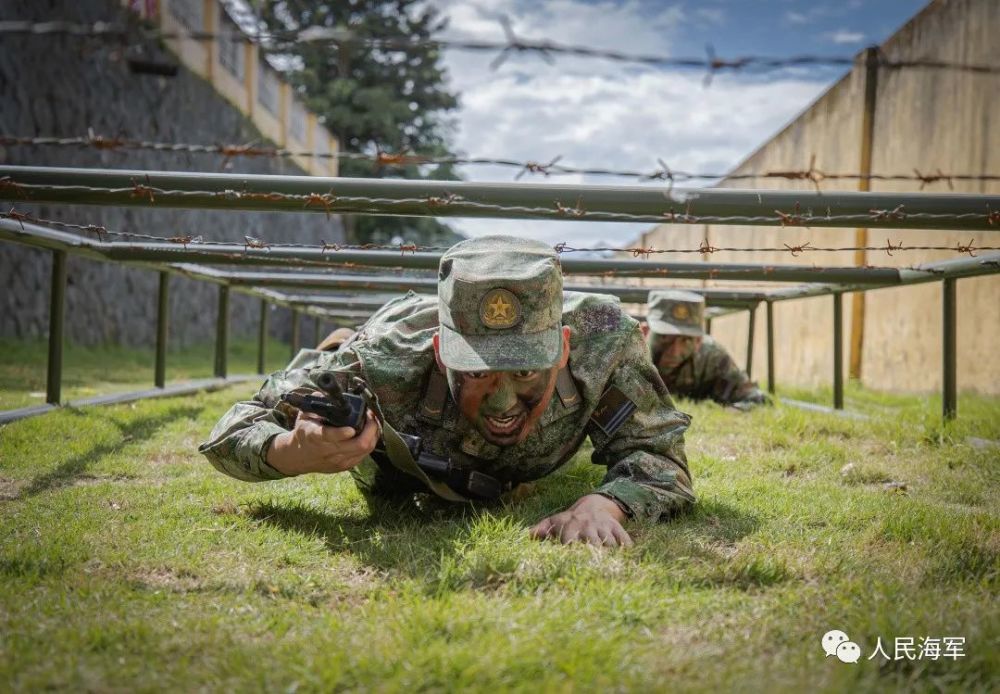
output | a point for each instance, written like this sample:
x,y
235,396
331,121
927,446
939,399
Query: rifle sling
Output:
x,y
399,455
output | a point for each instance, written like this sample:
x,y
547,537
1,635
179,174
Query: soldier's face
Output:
x,y
505,406
669,351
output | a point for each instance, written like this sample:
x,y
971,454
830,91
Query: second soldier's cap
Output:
x,y
500,305
675,312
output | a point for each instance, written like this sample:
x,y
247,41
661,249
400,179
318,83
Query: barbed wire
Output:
x,y
382,159
562,248
331,202
511,44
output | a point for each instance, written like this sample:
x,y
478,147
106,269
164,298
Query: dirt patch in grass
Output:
x,y
171,458
10,489
167,579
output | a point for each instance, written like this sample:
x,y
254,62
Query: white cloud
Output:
x,y
843,36
599,113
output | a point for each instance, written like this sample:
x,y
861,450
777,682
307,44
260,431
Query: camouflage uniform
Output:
x,y
709,372
636,432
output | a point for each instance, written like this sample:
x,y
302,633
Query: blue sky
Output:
x,y
600,113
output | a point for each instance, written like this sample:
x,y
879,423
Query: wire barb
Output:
x,y
895,213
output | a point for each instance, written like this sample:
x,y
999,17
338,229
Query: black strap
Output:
x,y
613,410
435,396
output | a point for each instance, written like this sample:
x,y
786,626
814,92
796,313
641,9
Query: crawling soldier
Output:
x,y
501,376
691,363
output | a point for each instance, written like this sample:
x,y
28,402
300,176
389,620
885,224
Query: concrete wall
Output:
x,y
924,119
63,86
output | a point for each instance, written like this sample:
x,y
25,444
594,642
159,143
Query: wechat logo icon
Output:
x,y
839,644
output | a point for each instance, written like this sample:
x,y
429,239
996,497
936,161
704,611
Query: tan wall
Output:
x,y
194,54
202,57
924,119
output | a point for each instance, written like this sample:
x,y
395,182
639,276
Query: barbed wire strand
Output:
x,y
382,159
563,248
511,44
559,210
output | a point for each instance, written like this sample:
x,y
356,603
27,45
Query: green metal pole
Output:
x,y
295,332
838,351
222,332
162,319
950,349
428,285
750,331
262,338
770,347
57,318
164,189
708,326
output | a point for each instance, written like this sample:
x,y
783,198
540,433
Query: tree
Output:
x,y
373,98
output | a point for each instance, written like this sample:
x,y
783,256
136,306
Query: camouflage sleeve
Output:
x,y
730,384
647,468
239,442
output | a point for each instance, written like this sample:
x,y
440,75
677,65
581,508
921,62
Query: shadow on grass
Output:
x,y
139,428
397,536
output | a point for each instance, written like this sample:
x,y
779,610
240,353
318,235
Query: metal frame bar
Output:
x,y
770,347
838,351
222,333
238,254
725,301
751,321
162,320
949,331
184,388
57,319
464,199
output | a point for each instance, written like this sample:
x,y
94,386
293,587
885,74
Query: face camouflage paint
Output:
x,y
504,406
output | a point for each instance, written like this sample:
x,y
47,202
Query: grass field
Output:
x,y
128,563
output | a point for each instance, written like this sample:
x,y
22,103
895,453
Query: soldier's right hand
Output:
x,y
312,446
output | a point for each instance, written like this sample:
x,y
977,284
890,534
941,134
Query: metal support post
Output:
x,y
708,326
838,351
770,347
750,330
162,319
57,316
950,351
295,332
262,338
222,332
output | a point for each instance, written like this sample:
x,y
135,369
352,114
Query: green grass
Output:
x,y
89,371
128,563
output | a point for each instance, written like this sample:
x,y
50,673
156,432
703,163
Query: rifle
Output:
x,y
337,409
340,409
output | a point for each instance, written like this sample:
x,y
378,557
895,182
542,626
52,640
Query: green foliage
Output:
x,y
374,99
128,563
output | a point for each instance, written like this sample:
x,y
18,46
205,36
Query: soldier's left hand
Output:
x,y
594,519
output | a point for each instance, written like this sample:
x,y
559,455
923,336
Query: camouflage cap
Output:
x,y
500,305
674,312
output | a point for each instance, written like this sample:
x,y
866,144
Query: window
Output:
x,y
297,126
268,89
232,45
188,13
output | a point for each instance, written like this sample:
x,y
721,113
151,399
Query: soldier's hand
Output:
x,y
312,446
594,519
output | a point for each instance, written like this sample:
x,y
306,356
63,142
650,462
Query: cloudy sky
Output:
x,y
600,113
